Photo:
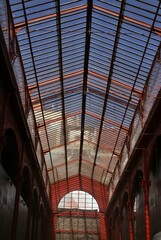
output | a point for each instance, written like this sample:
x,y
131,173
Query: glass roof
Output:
x,y
86,65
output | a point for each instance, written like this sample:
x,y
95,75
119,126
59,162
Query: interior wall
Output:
x,y
19,174
139,212
155,189
7,200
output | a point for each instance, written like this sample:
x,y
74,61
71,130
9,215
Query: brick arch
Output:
x,y
94,188
10,155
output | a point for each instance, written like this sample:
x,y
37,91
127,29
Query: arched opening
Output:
x,y
125,218
138,207
78,214
155,189
9,170
78,200
9,156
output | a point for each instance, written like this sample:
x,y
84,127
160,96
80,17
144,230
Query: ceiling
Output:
x,y
87,65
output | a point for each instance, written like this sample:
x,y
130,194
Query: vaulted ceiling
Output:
x,y
87,65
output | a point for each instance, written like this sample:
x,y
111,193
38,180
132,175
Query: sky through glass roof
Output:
x,y
86,65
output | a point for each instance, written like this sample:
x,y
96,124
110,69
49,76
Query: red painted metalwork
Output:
x,y
96,189
127,102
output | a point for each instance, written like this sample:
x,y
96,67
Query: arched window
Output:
x,y
78,217
78,200
9,156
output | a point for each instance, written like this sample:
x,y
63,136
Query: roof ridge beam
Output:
x,y
85,75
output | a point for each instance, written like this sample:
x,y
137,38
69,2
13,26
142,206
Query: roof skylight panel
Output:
x,y
114,111
73,108
73,88
94,106
94,101
76,52
64,4
118,66
94,110
48,36
74,66
95,68
45,77
78,17
103,38
31,4
69,57
98,57
92,121
41,26
71,69
98,67
128,120
70,36
104,22
118,97
48,7
73,102
100,45
91,110
113,5
98,98
44,47
99,60
97,87
18,17
128,78
123,78
122,61
43,40
47,66
40,13
70,44
41,56
15,5
108,140
74,80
